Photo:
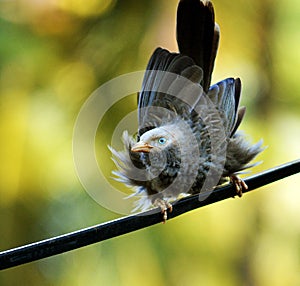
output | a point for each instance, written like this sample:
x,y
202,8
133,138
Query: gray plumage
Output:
x,y
187,139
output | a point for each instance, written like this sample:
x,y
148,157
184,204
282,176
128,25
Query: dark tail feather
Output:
x,y
198,35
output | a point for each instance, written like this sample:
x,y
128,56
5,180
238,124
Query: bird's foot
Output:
x,y
164,206
239,184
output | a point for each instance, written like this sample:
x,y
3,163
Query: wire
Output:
x,y
70,241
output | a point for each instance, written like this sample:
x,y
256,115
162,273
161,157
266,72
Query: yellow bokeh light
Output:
x,y
85,8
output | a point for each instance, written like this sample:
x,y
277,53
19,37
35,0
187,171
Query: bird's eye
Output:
x,y
162,140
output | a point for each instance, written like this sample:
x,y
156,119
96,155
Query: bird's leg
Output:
x,y
164,206
239,184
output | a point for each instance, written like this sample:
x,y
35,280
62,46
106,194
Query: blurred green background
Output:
x,y
54,53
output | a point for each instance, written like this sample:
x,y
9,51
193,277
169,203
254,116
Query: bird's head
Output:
x,y
155,140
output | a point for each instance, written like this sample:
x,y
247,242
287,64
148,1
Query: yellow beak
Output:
x,y
141,147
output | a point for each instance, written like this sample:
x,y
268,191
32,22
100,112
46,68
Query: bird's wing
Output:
x,y
170,88
225,95
198,35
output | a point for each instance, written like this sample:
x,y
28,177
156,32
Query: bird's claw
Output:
x,y
164,206
239,184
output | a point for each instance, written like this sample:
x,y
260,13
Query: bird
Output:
x,y
187,140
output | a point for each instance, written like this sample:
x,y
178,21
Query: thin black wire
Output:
x,y
107,230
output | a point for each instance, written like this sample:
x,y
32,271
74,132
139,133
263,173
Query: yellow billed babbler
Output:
x,y
187,132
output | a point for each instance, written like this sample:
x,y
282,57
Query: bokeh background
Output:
x,y
54,53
